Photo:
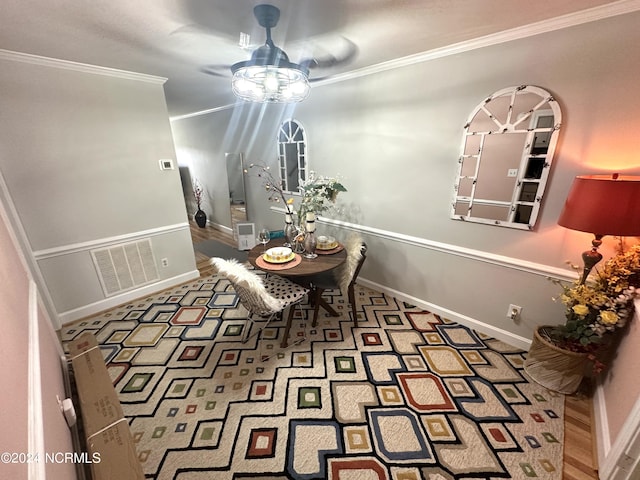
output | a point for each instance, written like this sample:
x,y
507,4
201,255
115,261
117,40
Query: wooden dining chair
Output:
x,y
342,278
266,298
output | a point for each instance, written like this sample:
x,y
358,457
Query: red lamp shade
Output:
x,y
603,205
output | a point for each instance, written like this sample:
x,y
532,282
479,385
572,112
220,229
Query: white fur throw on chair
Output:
x,y
248,286
353,247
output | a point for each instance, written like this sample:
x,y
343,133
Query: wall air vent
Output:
x,y
125,266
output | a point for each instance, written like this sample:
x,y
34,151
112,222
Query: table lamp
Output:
x,y
602,205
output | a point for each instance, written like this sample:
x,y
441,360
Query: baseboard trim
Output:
x,y
602,436
618,460
500,334
35,421
112,302
221,228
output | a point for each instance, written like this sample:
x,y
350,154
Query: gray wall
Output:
x,y
395,137
79,154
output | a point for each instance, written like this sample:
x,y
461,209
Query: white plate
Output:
x,y
279,255
326,243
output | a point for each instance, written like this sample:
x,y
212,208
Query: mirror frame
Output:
x,y
234,165
292,133
525,202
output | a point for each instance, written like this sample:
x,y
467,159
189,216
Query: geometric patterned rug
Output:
x,y
407,395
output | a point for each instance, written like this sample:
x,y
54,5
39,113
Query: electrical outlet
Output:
x,y
164,262
512,172
514,311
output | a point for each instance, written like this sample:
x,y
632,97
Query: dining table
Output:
x,y
299,268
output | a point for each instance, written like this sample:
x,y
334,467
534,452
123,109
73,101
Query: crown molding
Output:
x,y
78,67
620,7
202,112
593,14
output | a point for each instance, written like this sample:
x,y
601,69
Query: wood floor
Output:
x,y
579,463
579,439
208,233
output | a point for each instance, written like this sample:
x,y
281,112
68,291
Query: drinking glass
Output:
x,y
263,237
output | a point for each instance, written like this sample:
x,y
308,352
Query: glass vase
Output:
x,y
310,240
290,231
310,243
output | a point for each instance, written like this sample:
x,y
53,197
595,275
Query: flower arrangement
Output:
x,y
623,270
599,306
198,193
318,193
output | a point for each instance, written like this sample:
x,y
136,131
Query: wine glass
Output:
x,y
263,237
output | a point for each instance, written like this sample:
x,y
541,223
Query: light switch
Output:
x,y
512,172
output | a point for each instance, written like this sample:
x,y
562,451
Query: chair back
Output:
x,y
363,257
249,287
356,255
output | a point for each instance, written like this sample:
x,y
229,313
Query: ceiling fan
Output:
x,y
269,75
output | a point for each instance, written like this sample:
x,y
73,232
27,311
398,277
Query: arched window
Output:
x,y
292,155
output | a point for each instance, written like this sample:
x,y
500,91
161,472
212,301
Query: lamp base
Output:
x,y
591,257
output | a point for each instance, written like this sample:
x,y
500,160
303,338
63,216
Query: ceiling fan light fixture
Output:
x,y
269,83
269,76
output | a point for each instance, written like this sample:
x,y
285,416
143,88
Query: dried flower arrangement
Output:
x,y
318,192
198,193
600,306
271,185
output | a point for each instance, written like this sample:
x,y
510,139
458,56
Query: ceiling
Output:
x,y
192,42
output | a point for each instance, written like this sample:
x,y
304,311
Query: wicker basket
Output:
x,y
553,367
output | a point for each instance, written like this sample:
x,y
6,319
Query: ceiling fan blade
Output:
x,y
319,54
342,53
223,71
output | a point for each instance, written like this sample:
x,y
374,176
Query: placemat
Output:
x,y
330,252
262,263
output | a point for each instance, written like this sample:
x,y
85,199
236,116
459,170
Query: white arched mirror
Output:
x,y
292,155
507,150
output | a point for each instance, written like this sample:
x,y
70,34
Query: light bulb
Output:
x,y
271,83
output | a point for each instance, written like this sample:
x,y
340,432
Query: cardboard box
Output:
x,y
99,403
84,342
111,450
117,454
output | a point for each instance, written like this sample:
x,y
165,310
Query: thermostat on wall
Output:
x,y
166,164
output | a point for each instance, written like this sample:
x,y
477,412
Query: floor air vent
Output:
x,y
126,266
